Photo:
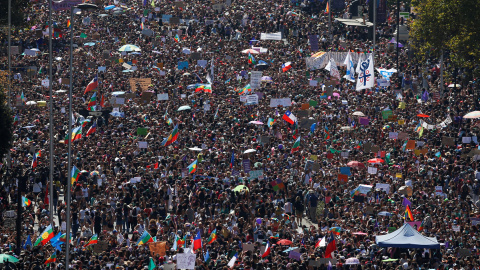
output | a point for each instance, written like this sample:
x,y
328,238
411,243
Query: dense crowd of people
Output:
x,y
235,171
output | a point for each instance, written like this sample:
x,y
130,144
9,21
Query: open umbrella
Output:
x,y
250,151
454,85
83,171
183,108
129,48
352,261
102,15
240,188
109,7
94,173
472,115
31,103
256,122
7,258
355,164
347,128
251,51
284,242
60,91
267,79
90,44
390,260
423,115
358,113
117,93
376,160
195,149
385,213
359,233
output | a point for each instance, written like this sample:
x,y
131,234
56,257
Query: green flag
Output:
x,y
83,35
151,264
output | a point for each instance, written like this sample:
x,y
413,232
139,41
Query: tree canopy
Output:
x,y
448,25
18,9
6,121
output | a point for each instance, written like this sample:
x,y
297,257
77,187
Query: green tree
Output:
x,y
6,119
448,25
18,11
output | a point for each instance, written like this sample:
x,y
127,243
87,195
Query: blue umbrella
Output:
x,y
128,70
117,114
89,44
109,7
385,213
136,53
117,93
117,9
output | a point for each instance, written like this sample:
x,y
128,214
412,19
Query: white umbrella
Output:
x,y
129,48
352,261
472,115
251,51
250,151
256,122
195,149
31,103
454,85
183,108
347,128
61,91
358,113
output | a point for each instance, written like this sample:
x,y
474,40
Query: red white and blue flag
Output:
x,y
289,117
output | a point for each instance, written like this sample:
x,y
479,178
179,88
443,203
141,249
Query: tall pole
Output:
x,y
69,183
50,82
441,74
374,25
398,32
330,20
9,76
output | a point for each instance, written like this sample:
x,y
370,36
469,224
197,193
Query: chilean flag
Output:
x,y
232,160
34,161
267,250
289,117
197,241
331,246
286,66
92,129
92,85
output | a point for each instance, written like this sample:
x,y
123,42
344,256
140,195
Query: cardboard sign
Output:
x,y
410,145
142,82
302,114
100,247
195,56
247,247
448,141
342,178
174,20
284,102
163,96
158,248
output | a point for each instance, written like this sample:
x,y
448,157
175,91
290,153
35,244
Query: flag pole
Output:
x,y
330,19
374,25
50,82
69,172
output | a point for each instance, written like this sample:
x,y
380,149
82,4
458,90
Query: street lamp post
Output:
x,y
84,6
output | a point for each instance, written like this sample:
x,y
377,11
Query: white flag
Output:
x,y
334,70
366,78
350,69
232,261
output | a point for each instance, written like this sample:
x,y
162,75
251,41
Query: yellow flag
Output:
x,y
398,175
401,105
153,3
401,122
420,133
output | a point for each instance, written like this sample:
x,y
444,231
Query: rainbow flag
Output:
x,y
171,138
26,201
206,88
176,38
277,184
421,227
192,168
335,230
327,9
75,175
213,237
22,98
93,240
142,26
51,259
68,24
408,214
145,238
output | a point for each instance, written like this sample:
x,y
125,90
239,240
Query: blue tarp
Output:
x,y
406,237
